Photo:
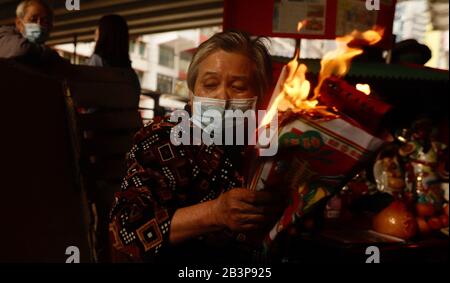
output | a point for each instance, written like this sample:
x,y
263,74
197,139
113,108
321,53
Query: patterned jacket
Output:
x,y
160,179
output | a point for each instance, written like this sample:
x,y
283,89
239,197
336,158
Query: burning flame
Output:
x,y
364,88
295,91
301,24
296,88
337,62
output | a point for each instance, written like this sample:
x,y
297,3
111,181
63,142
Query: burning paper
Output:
x,y
321,146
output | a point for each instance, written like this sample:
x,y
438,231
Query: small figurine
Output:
x,y
421,155
388,172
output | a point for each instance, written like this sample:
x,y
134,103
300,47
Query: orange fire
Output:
x,y
295,91
364,88
301,24
338,61
294,94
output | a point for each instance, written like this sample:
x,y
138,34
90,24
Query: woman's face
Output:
x,y
225,75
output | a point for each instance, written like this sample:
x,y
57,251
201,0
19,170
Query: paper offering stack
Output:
x,y
323,140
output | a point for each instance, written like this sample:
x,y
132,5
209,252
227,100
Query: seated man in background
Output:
x,y
26,40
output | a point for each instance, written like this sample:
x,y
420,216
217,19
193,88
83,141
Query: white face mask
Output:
x,y
35,33
209,113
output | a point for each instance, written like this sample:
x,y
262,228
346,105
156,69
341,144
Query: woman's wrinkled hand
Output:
x,y
242,209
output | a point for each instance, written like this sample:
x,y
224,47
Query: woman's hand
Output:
x,y
243,209
238,210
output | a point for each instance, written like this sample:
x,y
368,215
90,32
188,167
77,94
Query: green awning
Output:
x,y
380,70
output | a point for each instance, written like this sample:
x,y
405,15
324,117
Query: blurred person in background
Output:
x,y
25,40
112,45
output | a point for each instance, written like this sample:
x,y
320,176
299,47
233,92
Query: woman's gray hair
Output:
x,y
23,5
236,42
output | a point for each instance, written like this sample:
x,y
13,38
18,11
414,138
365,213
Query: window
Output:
x,y
166,56
142,48
132,46
66,55
185,60
164,83
181,88
82,60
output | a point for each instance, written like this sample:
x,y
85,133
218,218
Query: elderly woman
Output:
x,y
187,203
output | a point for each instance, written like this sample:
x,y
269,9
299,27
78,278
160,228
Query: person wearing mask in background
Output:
x,y
26,40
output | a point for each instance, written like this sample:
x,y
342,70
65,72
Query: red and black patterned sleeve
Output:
x,y
142,211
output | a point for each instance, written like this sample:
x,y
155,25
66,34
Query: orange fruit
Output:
x,y
424,209
444,220
424,228
435,223
395,220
